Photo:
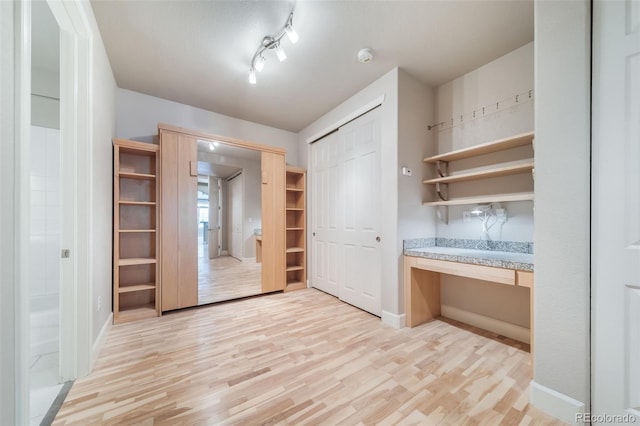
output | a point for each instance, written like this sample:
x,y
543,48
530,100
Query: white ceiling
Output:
x,y
198,52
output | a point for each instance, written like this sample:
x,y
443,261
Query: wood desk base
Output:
x,y
422,285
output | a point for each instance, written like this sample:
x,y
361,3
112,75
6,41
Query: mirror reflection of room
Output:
x,y
229,222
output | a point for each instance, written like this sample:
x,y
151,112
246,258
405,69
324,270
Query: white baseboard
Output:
x,y
555,403
97,345
393,320
502,328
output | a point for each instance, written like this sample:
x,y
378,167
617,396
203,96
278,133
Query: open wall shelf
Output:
x,y
485,148
443,178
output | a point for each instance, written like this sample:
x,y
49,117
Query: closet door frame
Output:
x,y
273,203
366,108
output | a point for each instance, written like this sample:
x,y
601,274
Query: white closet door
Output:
x,y
615,232
345,213
359,143
325,217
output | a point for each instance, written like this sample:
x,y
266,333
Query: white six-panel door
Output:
x,y
326,196
359,143
345,213
616,210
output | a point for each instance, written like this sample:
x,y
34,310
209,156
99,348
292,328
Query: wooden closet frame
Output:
x,y
273,203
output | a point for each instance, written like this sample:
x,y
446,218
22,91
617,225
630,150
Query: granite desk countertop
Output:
x,y
497,255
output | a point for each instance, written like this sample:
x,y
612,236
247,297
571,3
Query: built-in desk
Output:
x,y
423,266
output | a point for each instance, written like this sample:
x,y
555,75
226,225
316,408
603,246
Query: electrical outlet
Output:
x,y
466,216
99,302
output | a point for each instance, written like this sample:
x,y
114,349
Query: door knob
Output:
x,y
378,239
314,234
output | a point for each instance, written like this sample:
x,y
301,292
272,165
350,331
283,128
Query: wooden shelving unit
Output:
x,y
443,177
136,283
296,270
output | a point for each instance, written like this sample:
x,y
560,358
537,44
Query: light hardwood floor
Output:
x,y
301,358
226,278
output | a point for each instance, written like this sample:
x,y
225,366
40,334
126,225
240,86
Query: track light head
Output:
x,y
259,66
292,34
280,52
272,43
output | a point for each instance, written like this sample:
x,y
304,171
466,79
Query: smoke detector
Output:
x,y
365,55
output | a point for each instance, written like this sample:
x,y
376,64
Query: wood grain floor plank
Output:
x,y
226,278
301,358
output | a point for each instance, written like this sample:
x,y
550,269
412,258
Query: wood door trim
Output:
x,y
222,139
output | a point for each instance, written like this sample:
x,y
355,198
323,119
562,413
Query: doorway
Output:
x,y
75,71
46,206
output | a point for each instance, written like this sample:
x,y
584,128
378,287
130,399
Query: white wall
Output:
x,y
498,80
562,156
8,235
139,115
416,105
102,117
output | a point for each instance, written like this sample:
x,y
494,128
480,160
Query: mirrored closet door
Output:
x,y
223,218
229,222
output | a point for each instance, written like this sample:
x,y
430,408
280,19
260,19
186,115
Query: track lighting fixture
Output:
x,y
272,43
280,52
260,63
